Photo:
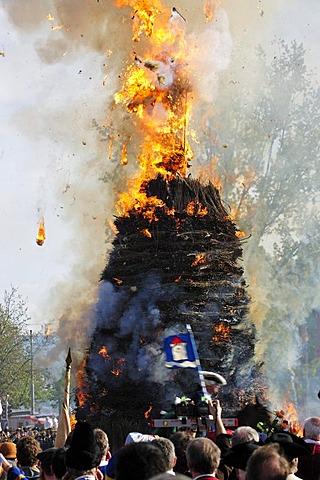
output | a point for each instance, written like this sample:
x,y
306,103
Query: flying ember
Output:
x,y
41,233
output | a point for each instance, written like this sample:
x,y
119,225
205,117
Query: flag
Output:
x,y
179,352
64,425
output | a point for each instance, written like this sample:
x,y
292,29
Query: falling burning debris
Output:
x,y
41,233
176,251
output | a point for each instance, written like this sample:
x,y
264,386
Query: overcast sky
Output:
x,y
50,158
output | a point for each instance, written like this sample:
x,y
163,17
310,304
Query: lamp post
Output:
x,y
32,408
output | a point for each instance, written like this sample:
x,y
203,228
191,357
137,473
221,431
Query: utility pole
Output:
x,y
32,408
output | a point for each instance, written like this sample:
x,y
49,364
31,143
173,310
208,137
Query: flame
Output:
x,y
41,233
196,208
209,8
80,375
73,420
146,232
200,259
124,158
104,352
157,92
116,372
221,332
147,413
292,418
48,331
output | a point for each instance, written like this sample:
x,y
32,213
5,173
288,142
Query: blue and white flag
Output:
x,y
179,352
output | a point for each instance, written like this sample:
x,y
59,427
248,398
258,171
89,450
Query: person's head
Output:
x,y
83,456
167,450
102,441
45,462
213,381
27,450
181,441
243,435
266,463
59,463
203,456
311,428
9,450
139,461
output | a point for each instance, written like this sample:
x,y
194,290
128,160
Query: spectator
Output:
x,y
103,443
132,437
168,452
27,450
181,441
292,448
238,457
266,463
59,463
45,462
9,451
243,435
83,456
139,461
203,458
309,466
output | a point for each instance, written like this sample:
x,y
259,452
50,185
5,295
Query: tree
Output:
x,y
15,358
265,147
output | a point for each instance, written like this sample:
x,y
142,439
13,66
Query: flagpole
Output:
x,y
199,368
64,427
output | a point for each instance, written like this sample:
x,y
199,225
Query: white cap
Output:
x,y
212,378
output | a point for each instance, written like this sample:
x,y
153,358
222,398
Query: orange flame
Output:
x,y
116,372
200,259
48,331
209,8
124,158
240,234
292,418
104,352
147,413
146,232
157,91
221,332
80,375
41,233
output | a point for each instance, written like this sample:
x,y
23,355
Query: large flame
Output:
x,y
157,91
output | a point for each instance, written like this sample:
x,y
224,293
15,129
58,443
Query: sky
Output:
x,y
56,86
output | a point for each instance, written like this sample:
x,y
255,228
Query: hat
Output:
x,y
8,450
138,437
83,453
212,378
239,455
46,457
291,444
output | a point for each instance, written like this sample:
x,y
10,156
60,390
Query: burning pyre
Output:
x,y
175,258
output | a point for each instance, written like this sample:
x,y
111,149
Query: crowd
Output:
x,y
240,454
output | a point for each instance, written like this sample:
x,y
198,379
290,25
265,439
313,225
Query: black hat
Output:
x,y
292,445
83,453
239,455
46,456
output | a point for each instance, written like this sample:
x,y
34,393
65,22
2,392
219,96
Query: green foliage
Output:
x,y
15,355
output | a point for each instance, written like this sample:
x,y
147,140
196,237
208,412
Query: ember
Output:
x,y
41,233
